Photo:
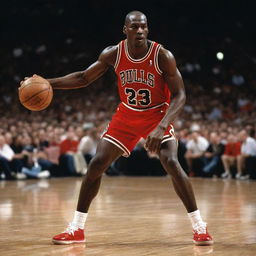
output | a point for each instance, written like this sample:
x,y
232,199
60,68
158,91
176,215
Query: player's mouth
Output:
x,y
139,38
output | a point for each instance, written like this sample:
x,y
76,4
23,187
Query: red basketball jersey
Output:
x,y
140,81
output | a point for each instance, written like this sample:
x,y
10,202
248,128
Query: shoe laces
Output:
x,y
200,228
71,229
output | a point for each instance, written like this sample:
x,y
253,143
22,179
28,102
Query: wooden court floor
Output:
x,y
131,216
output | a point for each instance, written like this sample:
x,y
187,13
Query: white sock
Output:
x,y
79,219
196,219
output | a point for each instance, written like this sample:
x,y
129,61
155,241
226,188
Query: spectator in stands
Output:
x,y
6,156
212,155
43,141
231,157
8,138
31,167
79,158
248,154
68,147
52,152
18,158
196,148
223,137
87,144
141,163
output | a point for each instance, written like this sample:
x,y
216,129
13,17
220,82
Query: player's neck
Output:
x,y
138,51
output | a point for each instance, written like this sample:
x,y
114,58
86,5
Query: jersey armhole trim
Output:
x,y
159,71
118,56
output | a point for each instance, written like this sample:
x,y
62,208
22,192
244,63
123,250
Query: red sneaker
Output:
x,y
201,236
71,235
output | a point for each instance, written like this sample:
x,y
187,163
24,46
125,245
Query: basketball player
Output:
x,y
152,95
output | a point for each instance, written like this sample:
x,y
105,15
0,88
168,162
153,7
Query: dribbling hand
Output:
x,y
25,78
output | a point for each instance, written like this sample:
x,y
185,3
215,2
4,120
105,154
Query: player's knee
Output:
x,y
174,168
173,163
170,161
96,168
99,163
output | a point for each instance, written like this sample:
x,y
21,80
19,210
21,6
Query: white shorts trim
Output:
x,y
117,143
165,136
169,138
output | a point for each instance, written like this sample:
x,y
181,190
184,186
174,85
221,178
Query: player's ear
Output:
x,y
124,29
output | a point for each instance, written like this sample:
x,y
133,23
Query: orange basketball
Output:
x,y
35,93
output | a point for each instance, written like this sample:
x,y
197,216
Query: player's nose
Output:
x,y
140,30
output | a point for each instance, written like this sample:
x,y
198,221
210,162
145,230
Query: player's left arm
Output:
x,y
175,83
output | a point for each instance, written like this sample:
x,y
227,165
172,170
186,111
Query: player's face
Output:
x,y
136,31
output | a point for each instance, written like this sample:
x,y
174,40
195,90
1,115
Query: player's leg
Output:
x,y
106,153
181,183
183,188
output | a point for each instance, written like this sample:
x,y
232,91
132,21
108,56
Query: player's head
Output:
x,y
136,28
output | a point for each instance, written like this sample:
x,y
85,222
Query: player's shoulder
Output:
x,y
109,54
166,59
110,49
165,54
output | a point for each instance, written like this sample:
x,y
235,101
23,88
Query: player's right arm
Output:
x,y
93,72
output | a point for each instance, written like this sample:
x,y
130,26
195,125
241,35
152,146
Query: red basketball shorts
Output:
x,y
128,126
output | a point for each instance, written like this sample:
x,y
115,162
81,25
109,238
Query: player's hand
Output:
x,y
25,78
153,141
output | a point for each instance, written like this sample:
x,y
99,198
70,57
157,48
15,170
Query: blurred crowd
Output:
x,y
41,150
216,130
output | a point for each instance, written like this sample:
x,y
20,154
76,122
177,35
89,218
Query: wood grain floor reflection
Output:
x,y
131,216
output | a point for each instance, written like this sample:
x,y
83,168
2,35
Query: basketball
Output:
x,y
35,93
